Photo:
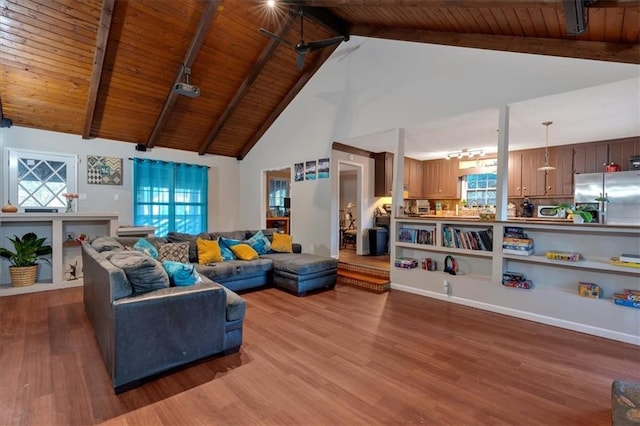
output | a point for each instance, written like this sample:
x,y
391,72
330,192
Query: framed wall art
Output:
x,y
310,170
323,168
104,170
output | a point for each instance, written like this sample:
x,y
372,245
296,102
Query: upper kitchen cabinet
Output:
x,y
621,151
525,180
441,179
413,176
590,157
383,185
559,182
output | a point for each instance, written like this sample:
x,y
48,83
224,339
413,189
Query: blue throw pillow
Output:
x,y
146,247
259,243
181,274
225,251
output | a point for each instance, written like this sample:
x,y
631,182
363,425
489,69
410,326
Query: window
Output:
x,y
38,180
170,196
480,189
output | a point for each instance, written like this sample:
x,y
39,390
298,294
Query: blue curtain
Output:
x,y
170,196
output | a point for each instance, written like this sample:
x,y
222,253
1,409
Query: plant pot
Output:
x,y
23,276
578,219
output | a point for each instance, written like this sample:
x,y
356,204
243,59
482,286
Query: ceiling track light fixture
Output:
x,y
546,149
465,153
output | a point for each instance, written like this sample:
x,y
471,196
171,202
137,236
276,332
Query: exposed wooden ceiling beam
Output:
x,y
327,20
98,63
243,89
454,3
210,11
599,51
304,78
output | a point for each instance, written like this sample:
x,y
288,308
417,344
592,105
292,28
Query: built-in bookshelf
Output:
x,y
553,298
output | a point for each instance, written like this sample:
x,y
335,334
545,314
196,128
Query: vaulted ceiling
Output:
x,y
107,68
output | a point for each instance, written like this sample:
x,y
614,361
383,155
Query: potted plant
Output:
x,y
580,214
24,260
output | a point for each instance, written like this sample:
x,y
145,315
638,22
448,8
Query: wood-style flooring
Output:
x,y
339,357
349,255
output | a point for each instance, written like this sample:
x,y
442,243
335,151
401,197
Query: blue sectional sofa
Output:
x,y
144,326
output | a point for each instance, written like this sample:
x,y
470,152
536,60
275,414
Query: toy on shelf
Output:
x,y
516,280
565,256
406,263
589,290
630,298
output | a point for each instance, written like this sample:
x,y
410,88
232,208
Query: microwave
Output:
x,y
546,211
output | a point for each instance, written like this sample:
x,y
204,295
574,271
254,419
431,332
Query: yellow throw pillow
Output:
x,y
208,251
282,243
244,252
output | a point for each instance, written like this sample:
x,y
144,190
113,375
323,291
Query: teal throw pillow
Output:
x,y
146,247
181,274
259,243
225,247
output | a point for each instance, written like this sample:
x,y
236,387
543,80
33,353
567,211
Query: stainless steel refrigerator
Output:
x,y
622,189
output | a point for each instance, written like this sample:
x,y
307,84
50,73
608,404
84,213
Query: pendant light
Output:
x,y
546,149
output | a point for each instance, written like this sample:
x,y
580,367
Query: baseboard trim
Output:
x,y
570,325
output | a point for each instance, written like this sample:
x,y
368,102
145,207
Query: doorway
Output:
x,y
350,208
277,199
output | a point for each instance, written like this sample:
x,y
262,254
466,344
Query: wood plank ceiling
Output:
x,y
106,68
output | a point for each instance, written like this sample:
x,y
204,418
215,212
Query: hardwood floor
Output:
x,y
349,255
342,357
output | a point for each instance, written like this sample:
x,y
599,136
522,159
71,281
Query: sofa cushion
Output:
x,y
181,274
208,251
301,263
176,252
259,243
244,252
179,237
233,235
101,244
224,271
143,272
146,247
282,243
225,251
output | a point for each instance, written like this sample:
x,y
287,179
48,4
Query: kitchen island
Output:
x,y
554,298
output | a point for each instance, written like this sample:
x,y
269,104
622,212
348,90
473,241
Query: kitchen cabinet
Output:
x,y
525,180
559,182
440,179
413,177
383,179
590,157
620,152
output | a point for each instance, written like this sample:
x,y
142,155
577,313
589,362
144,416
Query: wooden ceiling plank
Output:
x,y
600,51
322,57
98,63
211,9
264,57
450,3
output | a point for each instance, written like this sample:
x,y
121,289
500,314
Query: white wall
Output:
x,y
223,172
388,84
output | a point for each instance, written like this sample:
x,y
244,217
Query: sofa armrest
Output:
x,y
166,328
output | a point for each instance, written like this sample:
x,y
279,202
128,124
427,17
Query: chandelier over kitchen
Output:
x,y
546,149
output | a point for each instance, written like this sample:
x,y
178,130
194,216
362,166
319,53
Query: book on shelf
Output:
x,y
514,232
629,258
407,235
517,251
469,240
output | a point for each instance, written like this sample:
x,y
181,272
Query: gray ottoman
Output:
x,y
301,272
625,403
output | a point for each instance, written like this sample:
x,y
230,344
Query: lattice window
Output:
x,y
38,180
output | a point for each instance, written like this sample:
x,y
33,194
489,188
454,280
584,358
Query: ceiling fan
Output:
x,y
303,48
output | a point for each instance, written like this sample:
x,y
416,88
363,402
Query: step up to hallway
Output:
x,y
365,277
